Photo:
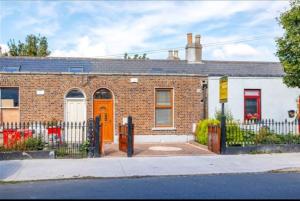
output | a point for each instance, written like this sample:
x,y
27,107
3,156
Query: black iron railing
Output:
x,y
262,132
68,139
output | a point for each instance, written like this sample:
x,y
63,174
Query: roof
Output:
x,y
146,67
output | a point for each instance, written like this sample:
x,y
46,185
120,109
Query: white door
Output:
x,y
75,117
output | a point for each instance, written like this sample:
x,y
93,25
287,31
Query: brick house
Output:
x,y
166,98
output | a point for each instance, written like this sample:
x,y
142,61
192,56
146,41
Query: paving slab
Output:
x,y
44,169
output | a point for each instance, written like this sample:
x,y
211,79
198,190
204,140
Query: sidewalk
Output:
x,y
24,170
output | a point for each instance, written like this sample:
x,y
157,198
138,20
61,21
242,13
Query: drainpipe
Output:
x,y
204,91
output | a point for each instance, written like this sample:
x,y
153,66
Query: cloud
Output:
x,y
92,28
84,48
4,48
242,51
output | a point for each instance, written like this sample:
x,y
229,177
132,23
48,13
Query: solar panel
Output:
x,y
10,68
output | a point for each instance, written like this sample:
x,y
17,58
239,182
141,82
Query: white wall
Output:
x,y
276,98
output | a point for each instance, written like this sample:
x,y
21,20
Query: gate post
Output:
x,y
98,147
130,137
223,131
91,138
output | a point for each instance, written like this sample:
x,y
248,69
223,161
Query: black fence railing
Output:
x,y
68,139
262,132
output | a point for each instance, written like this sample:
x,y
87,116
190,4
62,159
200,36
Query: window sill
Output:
x,y
164,129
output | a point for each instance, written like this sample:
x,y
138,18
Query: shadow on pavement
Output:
x,y
9,168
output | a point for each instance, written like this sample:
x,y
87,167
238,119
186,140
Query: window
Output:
x,y
75,93
76,69
163,108
103,94
9,104
9,97
252,108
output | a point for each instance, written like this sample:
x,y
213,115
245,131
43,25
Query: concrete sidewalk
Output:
x,y
25,170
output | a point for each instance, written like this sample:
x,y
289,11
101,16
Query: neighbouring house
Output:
x,y
166,98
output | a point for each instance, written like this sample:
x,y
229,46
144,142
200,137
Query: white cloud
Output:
x,y
118,27
4,48
84,48
243,51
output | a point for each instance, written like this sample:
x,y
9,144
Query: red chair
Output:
x,y
55,132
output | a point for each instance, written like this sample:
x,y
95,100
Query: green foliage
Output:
x,y
202,129
34,144
33,46
289,44
228,115
136,56
30,144
84,148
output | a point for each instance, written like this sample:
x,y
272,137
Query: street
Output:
x,y
227,186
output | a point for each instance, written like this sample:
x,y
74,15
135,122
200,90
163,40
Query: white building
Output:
x,y
265,95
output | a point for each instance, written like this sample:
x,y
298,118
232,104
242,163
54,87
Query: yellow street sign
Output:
x,y
223,89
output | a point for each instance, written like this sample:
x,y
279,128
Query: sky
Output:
x,y
230,30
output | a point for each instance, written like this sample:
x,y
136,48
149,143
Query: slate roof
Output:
x,y
151,67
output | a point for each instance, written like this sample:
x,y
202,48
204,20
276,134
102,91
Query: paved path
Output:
x,y
22,170
224,186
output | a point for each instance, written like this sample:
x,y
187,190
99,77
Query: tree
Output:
x,y
289,44
33,46
136,56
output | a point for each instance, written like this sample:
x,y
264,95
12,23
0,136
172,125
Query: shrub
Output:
x,y
228,115
266,136
34,144
202,129
30,144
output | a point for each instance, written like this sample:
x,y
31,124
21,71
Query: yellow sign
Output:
x,y
223,89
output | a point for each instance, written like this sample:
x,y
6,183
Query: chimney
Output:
x,y
189,38
170,57
176,55
193,51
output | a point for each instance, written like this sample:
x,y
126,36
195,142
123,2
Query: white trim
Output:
x,y
164,129
66,100
70,89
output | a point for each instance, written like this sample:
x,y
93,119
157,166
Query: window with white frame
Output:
x,y
163,107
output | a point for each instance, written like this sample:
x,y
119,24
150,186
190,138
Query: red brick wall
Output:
x,y
135,99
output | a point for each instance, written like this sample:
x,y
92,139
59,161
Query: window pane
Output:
x,y
163,97
103,94
251,92
251,106
163,117
9,97
75,93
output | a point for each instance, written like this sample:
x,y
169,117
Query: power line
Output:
x,y
180,48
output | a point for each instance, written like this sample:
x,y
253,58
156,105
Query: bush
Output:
x,y
30,144
34,144
202,129
266,136
228,115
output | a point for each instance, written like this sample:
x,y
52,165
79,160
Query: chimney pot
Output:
x,y
171,56
197,39
176,54
189,38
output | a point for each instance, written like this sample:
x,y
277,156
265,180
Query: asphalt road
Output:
x,y
230,186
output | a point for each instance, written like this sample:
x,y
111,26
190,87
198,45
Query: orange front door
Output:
x,y
104,109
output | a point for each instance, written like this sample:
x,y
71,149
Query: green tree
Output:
x,y
289,44
33,46
136,56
